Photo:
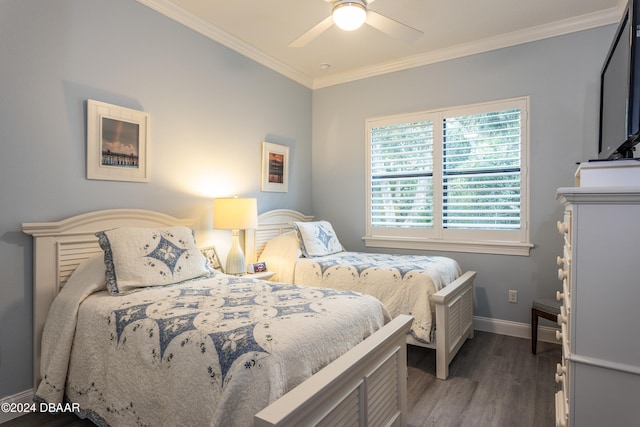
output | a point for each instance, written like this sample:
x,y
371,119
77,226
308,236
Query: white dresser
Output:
x,y
600,317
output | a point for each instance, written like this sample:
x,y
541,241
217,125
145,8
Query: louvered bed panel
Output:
x,y
71,254
347,413
272,224
459,318
382,386
366,387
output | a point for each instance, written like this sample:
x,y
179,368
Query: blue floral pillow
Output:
x,y
140,257
317,238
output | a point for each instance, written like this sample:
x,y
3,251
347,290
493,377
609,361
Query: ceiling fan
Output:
x,y
350,15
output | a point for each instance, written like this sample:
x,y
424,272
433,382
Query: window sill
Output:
x,y
497,248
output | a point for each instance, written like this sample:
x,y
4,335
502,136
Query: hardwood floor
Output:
x,y
494,381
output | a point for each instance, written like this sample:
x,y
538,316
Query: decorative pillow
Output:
x,y
317,238
140,257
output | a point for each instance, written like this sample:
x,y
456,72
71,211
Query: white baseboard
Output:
x,y
24,397
514,329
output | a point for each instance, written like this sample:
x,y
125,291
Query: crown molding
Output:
x,y
554,29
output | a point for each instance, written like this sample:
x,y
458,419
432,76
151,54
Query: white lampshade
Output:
x,y
349,15
235,214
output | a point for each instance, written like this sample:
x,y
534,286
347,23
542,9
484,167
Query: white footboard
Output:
x,y
367,386
454,320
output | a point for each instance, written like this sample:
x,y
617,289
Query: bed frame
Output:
x,y
367,383
453,303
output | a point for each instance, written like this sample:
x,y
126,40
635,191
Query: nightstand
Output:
x,y
263,275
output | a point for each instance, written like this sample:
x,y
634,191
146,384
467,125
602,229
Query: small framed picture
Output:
x,y
275,167
257,267
212,257
117,143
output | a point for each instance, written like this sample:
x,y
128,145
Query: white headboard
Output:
x,y
270,224
59,247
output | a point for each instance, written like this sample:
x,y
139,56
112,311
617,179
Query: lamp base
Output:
x,y
235,258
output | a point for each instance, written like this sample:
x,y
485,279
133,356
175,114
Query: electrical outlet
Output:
x,y
513,296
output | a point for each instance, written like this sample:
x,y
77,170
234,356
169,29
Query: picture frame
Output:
x,y
275,167
117,143
257,267
212,257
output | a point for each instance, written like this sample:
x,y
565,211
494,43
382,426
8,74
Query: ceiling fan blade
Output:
x,y
314,32
392,28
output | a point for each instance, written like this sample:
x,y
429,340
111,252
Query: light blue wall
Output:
x,y
210,109
561,76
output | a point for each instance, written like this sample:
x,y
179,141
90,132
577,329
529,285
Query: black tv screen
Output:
x,y
619,96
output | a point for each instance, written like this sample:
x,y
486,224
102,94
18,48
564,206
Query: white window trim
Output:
x,y
468,246
457,240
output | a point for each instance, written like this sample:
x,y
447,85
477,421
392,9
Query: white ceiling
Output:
x,y
263,29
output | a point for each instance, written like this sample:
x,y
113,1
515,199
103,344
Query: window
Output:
x,y
453,179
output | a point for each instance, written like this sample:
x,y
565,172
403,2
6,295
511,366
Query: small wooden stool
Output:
x,y
546,308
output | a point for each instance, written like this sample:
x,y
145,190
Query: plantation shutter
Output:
x,y
401,162
453,179
481,171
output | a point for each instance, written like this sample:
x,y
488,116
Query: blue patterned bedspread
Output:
x,y
404,283
209,352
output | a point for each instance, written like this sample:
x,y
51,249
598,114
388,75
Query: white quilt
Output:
x,y
404,283
206,352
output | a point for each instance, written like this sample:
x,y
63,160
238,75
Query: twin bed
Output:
x,y
433,290
212,349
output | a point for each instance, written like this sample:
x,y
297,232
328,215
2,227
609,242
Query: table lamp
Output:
x,y
235,214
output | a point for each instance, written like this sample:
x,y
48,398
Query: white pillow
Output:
x,y
137,257
281,254
317,238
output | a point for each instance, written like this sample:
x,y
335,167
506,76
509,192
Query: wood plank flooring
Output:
x,y
494,381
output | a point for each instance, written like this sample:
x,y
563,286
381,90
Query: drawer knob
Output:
x,y
562,319
559,335
562,274
559,296
558,378
563,227
560,370
560,260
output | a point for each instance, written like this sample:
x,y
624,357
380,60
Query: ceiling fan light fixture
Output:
x,y
349,15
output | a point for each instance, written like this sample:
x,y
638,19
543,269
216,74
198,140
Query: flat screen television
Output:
x,y
620,89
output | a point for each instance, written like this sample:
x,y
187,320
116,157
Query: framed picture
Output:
x,y
275,167
212,257
257,267
117,143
